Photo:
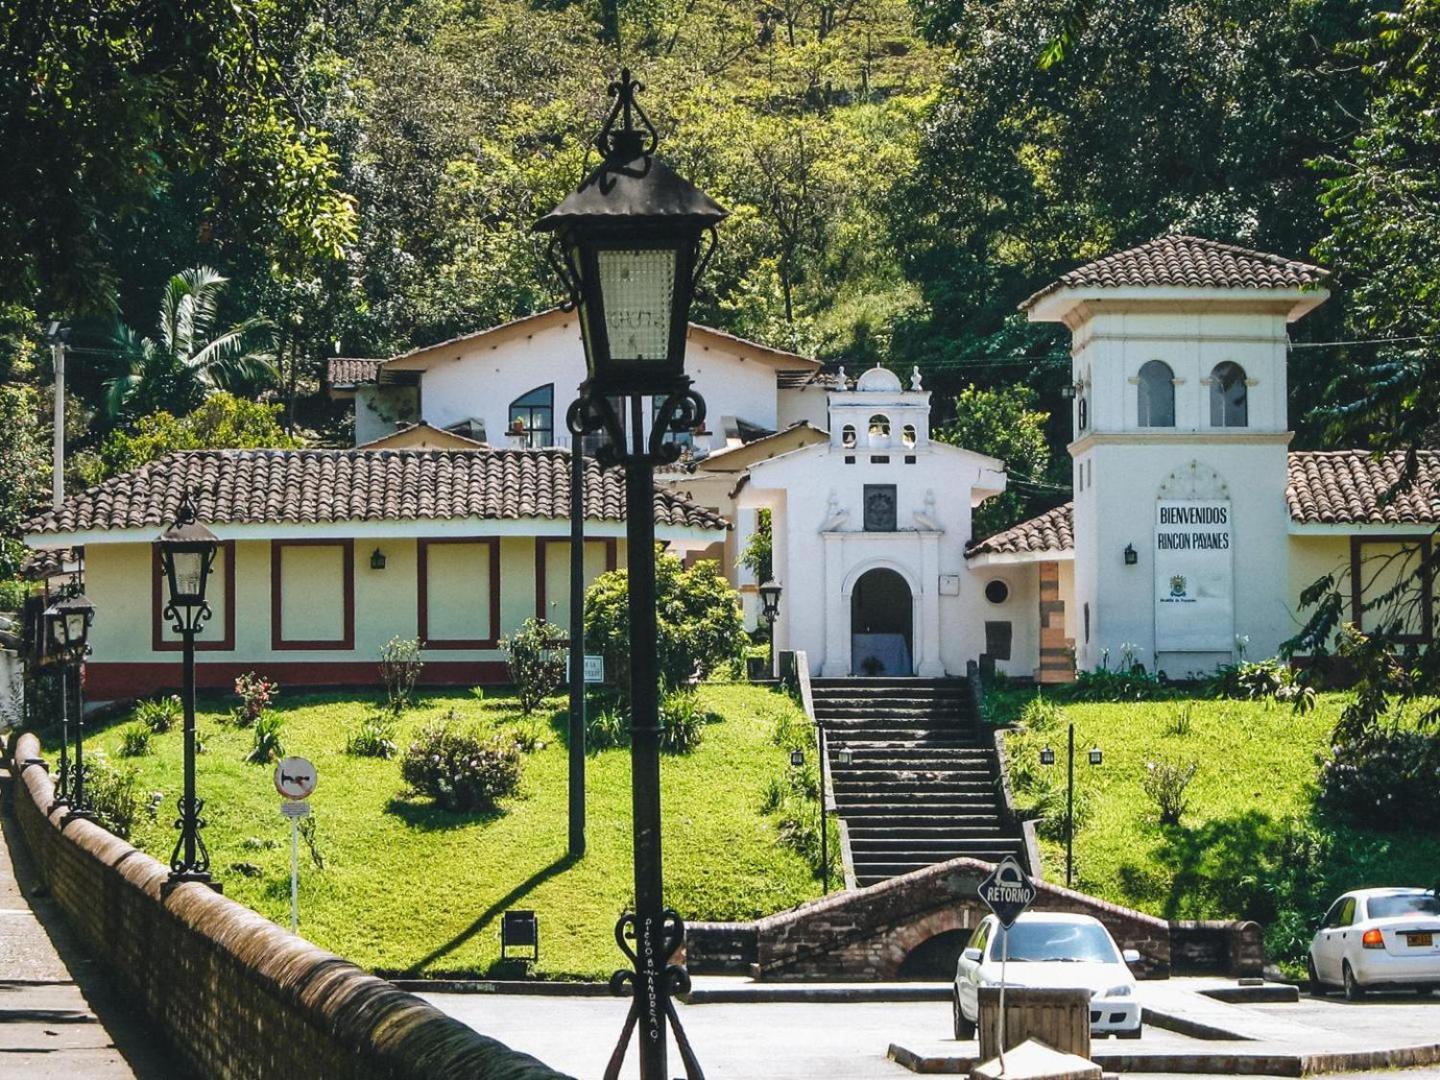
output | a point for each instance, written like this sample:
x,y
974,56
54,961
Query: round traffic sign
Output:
x,y
295,778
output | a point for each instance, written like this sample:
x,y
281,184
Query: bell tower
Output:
x,y
1180,444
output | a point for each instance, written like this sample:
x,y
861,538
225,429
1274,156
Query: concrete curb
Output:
x,y
1231,1064
799,992
503,986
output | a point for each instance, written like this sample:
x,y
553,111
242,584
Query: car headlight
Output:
x,y
1121,991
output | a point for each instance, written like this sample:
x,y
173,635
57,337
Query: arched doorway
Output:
x,y
881,625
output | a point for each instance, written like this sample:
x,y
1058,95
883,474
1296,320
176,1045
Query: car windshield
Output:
x,y
1386,907
1056,941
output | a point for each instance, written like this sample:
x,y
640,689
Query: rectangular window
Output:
x,y
552,573
459,593
218,634
312,594
880,511
1391,588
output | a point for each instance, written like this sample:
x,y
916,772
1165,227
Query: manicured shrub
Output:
x,y
400,668
113,794
1388,780
160,714
374,738
607,729
460,770
135,741
269,742
535,656
682,722
257,693
1114,684
698,615
1165,782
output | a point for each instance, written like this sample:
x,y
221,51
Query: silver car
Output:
x,y
1378,938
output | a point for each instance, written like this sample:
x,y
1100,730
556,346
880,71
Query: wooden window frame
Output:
x,y
422,600
612,560
1427,584
158,641
278,641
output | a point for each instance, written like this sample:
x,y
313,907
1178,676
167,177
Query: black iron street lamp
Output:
x,y
770,610
68,625
1047,758
629,243
187,553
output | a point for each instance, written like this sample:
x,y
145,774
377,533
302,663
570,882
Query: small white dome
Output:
x,y
878,379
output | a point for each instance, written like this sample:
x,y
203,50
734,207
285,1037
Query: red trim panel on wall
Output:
x,y
422,599
278,641
226,641
542,599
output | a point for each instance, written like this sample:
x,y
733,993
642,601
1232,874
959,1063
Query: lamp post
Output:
x,y
797,759
68,624
629,244
770,609
1047,758
187,553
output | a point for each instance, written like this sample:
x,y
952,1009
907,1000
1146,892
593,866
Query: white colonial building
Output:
x,y
1192,533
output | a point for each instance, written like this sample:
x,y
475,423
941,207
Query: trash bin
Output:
x,y
1058,1018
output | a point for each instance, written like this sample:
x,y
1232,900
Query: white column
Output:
x,y
930,665
837,609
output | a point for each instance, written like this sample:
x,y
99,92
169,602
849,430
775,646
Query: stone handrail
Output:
x,y
1002,772
235,995
795,673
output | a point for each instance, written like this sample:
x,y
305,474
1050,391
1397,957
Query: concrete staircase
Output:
x,y
922,785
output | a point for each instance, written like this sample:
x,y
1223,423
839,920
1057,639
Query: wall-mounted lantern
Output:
x,y
797,758
1131,555
377,560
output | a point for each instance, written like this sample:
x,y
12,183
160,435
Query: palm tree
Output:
x,y
191,360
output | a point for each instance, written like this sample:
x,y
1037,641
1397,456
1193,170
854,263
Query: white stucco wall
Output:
x,y
380,409
481,377
819,554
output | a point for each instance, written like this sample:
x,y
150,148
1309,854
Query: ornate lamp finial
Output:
x,y
628,142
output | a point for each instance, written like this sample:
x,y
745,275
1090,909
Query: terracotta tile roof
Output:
x,y
1051,531
1193,261
348,371
1350,487
324,486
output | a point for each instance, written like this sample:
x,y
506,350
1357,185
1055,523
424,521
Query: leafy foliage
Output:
x,y
269,739
682,722
698,616
535,657
160,714
400,667
1271,680
1004,423
257,693
113,795
461,770
135,741
222,421
1165,782
374,738
757,556
1388,780
24,468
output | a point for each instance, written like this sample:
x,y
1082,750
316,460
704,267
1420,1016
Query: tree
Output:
x,y
192,358
1005,424
698,615
24,469
1173,115
221,422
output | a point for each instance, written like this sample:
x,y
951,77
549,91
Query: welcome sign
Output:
x,y
1194,576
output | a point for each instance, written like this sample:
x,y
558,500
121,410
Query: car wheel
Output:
x,y
1317,988
1353,990
1139,1030
964,1029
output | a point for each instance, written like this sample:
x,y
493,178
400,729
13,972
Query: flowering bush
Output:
x,y
535,656
460,770
1386,780
1165,782
257,693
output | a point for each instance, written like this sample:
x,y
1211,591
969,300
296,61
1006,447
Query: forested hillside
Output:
x,y
365,172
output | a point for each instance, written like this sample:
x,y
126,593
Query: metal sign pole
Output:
x,y
294,875
1004,960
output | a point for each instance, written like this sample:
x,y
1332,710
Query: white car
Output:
x,y
1378,938
1055,951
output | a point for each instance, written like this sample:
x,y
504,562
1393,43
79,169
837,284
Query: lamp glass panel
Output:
x,y
57,630
74,626
189,573
638,290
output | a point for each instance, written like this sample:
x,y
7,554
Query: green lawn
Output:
x,y
1250,843
408,888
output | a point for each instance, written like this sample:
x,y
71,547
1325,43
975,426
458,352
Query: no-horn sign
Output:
x,y
1008,891
295,778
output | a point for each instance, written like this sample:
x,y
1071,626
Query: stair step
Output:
x,y
881,828
866,819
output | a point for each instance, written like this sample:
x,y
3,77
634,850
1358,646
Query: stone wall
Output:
x,y
234,994
866,934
